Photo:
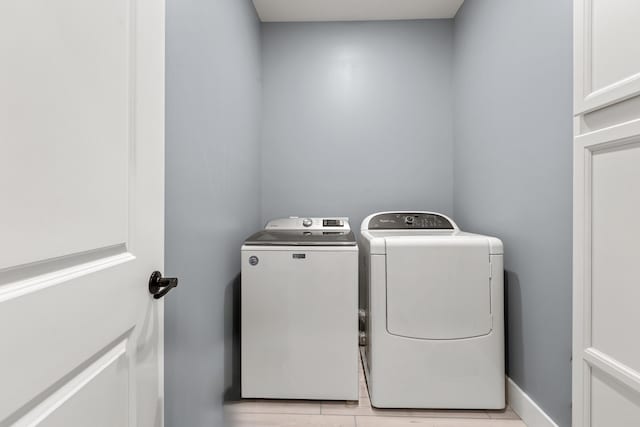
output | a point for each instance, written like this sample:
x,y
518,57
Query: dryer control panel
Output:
x,y
410,221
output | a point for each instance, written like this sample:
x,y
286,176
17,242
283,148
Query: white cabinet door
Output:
x,y
81,212
606,348
607,52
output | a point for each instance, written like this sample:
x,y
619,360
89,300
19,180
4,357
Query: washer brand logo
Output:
x,y
253,260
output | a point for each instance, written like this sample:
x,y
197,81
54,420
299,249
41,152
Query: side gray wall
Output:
x,y
356,118
512,163
212,195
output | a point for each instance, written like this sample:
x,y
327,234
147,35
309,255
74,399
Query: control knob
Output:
x,y
307,222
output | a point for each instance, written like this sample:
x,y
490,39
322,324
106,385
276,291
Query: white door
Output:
x,y
81,212
606,351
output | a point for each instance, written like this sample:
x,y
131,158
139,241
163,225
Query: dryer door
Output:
x,y
438,287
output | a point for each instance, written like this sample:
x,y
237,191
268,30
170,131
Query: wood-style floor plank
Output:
x,y
290,420
433,422
265,406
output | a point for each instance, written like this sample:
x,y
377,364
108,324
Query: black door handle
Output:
x,y
159,286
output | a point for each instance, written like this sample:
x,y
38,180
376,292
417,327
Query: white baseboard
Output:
x,y
526,408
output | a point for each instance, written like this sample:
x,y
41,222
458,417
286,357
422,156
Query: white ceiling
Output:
x,y
354,10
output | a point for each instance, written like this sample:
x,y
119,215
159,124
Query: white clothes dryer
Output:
x,y
434,313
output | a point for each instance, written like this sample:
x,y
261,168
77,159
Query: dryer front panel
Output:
x,y
438,288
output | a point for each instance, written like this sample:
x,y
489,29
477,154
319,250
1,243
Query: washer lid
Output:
x,y
438,288
301,238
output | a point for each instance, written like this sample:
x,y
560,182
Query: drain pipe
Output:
x,y
362,320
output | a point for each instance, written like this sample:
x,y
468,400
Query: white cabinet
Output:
x,y
606,352
607,52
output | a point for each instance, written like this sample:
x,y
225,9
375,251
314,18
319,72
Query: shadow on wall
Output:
x,y
514,344
232,340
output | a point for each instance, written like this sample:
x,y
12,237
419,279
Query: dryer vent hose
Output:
x,y
362,320
362,338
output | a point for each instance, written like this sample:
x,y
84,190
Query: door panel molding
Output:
x,y
589,360
37,413
613,368
589,96
70,89
62,275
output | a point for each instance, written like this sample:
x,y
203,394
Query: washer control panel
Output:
x,y
308,223
411,221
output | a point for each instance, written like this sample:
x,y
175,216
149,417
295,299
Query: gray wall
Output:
x,y
356,118
359,117
212,194
513,142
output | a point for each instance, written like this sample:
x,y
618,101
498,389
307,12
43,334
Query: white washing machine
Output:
x,y
299,304
434,307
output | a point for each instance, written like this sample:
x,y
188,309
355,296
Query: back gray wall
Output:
x,y
513,162
212,196
357,118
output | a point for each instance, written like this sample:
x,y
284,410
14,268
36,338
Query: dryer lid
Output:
x,y
438,288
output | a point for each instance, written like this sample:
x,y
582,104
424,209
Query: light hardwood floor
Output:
x,y
282,413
